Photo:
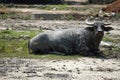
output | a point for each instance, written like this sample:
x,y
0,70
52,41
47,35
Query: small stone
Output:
x,y
53,69
64,65
91,69
31,74
78,72
54,61
69,70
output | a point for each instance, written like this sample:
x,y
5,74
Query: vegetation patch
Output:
x,y
14,15
112,38
14,43
53,7
112,51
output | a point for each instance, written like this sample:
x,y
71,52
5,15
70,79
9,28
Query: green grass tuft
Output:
x,y
13,44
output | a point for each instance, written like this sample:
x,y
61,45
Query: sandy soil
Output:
x,y
82,68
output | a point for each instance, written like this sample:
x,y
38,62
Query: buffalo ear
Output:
x,y
108,28
90,28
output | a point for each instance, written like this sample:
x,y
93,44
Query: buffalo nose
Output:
x,y
100,32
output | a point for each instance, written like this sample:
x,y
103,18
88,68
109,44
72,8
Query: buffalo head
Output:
x,y
98,27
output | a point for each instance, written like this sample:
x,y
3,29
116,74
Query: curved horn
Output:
x,y
88,23
107,23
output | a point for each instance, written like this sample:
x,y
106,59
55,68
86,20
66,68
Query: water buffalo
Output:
x,y
70,41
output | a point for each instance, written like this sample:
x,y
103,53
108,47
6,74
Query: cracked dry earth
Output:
x,y
82,68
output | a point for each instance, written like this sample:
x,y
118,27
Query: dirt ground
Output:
x,y
113,7
26,25
83,68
